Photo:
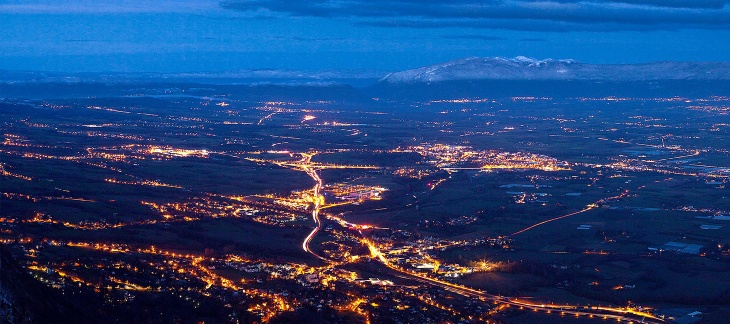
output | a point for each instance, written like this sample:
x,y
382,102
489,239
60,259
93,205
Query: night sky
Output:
x,y
201,35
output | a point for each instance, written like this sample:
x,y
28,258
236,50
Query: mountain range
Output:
x,y
465,78
524,68
472,68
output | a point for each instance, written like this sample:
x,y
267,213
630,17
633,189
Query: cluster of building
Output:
x,y
350,192
466,157
222,206
418,253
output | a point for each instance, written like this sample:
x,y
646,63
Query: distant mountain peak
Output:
x,y
527,68
533,61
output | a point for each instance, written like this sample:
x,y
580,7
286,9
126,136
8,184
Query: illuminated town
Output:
x,y
305,216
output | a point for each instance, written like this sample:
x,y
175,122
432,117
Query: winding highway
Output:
x,y
317,201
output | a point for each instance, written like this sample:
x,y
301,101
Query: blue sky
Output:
x,y
203,35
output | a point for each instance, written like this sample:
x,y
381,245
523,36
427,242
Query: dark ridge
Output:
x,y
301,92
502,89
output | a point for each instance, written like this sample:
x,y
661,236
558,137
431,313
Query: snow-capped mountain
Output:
x,y
524,68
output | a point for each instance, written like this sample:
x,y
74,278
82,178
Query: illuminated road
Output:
x,y
267,117
552,220
306,165
597,312
590,207
696,153
317,201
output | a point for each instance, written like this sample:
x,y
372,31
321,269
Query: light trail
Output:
x,y
317,200
552,220
267,117
310,168
336,204
590,207
676,157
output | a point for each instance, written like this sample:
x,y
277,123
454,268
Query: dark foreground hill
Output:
x,y
25,300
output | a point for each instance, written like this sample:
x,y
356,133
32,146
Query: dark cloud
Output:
x,y
475,37
308,39
516,24
696,4
79,40
546,15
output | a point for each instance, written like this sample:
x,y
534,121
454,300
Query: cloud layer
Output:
x,y
537,15
104,6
